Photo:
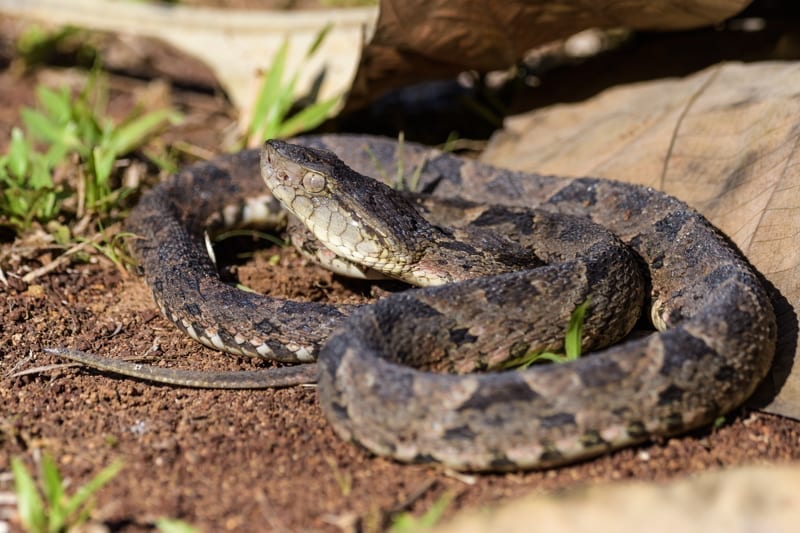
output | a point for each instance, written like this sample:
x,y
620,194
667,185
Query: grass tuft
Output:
x,y
47,508
572,344
408,523
75,133
272,114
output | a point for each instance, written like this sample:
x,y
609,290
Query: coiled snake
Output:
x,y
718,327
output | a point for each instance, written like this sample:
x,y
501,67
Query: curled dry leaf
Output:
x,y
418,40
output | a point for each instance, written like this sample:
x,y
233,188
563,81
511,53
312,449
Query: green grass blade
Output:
x,y
57,104
162,159
526,360
400,178
95,93
4,176
308,118
40,174
318,39
549,356
29,503
53,487
230,234
277,111
572,344
86,491
270,90
379,168
41,127
134,132
55,154
171,525
51,481
434,514
407,523
18,155
572,340
47,207
89,128
103,162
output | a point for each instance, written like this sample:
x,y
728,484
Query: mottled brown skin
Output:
x,y
717,344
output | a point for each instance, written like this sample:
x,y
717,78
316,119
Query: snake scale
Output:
x,y
717,326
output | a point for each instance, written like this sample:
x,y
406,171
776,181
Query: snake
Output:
x,y
420,375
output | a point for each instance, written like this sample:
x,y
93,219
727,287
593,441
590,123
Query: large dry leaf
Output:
x,y
238,45
418,40
726,140
730,501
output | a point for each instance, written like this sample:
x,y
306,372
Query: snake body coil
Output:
x,y
718,325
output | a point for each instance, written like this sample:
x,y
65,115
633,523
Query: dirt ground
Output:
x,y
240,460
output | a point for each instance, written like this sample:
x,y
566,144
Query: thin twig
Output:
x,y
32,275
193,150
413,497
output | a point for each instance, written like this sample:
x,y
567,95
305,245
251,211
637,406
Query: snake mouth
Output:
x,y
278,162
268,162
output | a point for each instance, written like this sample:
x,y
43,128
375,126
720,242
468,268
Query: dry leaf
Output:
x,y
732,501
419,40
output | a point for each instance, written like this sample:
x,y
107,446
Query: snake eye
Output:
x,y
313,182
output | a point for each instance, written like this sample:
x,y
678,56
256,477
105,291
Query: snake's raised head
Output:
x,y
356,217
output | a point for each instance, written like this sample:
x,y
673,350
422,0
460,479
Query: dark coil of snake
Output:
x,y
392,374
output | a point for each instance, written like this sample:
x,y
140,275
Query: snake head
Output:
x,y
288,167
356,217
